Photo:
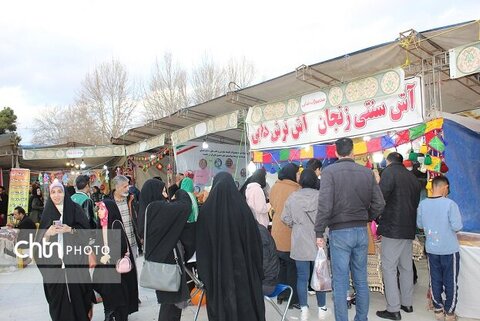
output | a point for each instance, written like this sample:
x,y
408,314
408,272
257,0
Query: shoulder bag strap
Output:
x,y
310,219
126,239
145,230
145,237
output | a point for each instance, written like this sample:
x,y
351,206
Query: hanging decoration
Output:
x,y
429,156
145,162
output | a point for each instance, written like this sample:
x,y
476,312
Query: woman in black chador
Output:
x,y
66,279
229,255
166,228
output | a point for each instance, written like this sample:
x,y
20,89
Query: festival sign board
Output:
x,y
18,189
206,163
78,152
269,128
464,60
209,126
147,144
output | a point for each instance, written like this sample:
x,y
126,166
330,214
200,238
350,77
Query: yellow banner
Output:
x,y
18,190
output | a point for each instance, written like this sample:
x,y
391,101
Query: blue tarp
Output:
x,y
462,156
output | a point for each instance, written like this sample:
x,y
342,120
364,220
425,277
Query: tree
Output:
x,y
63,124
110,96
240,71
8,120
167,90
208,80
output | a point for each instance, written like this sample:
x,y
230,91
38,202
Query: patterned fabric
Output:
x,y
127,221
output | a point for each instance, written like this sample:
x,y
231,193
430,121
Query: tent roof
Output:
x,y
6,149
457,95
59,164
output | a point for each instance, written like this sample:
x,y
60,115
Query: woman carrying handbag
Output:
x,y
116,284
166,225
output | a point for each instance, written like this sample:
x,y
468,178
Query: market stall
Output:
x,y
380,112
197,155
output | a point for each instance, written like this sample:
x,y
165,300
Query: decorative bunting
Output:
x,y
430,131
267,158
437,144
402,137
360,148
331,149
387,142
320,151
284,154
258,157
306,153
294,154
417,131
374,145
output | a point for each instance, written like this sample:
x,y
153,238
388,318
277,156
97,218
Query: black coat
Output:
x,y
401,191
166,225
271,262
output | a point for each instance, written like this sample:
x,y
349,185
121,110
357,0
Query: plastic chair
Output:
x,y
200,287
270,298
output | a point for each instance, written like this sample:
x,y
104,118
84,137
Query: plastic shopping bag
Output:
x,y
321,280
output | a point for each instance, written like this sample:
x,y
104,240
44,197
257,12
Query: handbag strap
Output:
x,y
145,236
126,239
310,219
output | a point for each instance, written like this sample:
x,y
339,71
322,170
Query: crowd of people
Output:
x,y
246,241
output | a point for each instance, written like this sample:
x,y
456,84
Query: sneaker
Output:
x,y
311,292
439,314
450,317
304,314
323,313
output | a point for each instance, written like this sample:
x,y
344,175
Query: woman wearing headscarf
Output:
x,y
229,255
281,190
151,191
166,229
119,291
37,205
253,192
187,186
299,213
66,278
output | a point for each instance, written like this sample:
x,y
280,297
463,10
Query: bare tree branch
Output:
x,y
63,124
110,96
167,90
241,71
208,81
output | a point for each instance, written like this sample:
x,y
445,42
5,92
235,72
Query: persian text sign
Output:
x,y
327,124
18,189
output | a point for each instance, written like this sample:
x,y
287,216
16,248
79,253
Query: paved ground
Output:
x,y
22,299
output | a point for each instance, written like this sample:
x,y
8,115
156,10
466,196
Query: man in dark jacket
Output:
x,y
26,228
82,198
271,262
349,197
397,225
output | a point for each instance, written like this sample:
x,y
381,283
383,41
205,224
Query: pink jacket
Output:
x,y
257,203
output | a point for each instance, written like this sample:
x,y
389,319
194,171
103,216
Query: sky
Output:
x,y
47,47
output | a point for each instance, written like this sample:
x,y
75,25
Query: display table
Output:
x,y
8,238
468,279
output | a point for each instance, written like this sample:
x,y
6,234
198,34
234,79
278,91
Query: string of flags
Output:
x,y
430,154
152,160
